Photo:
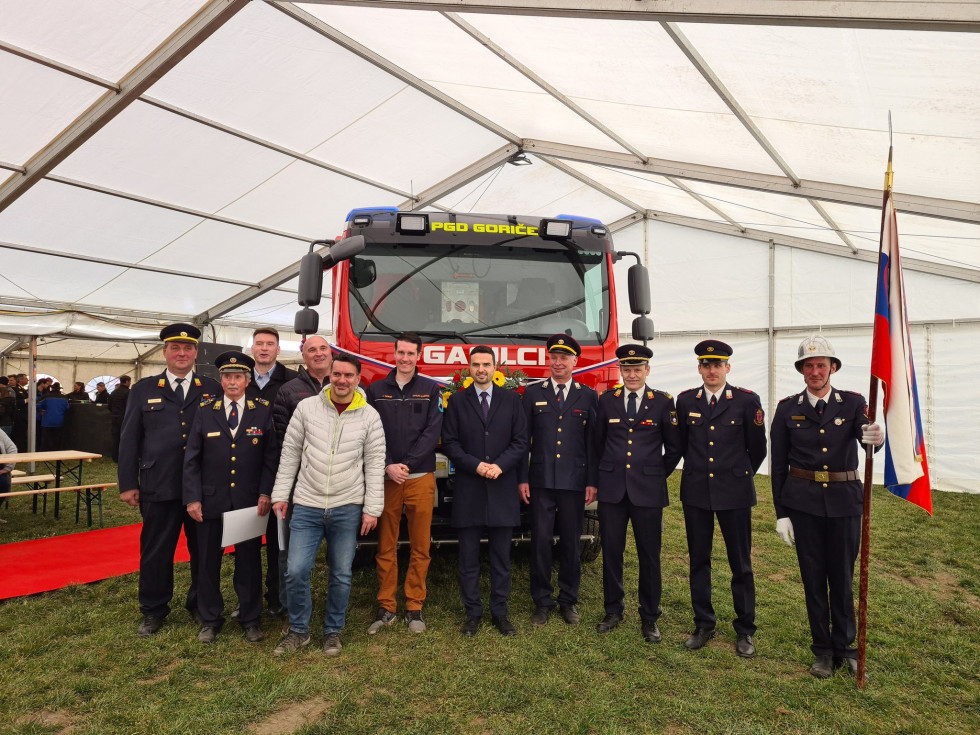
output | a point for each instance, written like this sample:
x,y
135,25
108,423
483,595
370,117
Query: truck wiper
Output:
x,y
440,335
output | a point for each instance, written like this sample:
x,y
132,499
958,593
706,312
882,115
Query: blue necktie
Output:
x,y
484,405
561,393
233,416
821,405
631,407
179,390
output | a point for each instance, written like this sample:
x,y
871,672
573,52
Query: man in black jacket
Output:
x,y
310,381
485,435
230,464
819,498
159,413
117,410
639,446
268,377
723,435
410,406
560,414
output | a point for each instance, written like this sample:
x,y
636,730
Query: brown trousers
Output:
x,y
416,497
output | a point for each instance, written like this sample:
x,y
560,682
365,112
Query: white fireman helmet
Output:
x,y
816,346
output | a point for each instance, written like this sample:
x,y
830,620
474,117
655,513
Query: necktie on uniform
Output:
x,y
484,404
179,390
233,416
821,405
714,401
561,393
631,407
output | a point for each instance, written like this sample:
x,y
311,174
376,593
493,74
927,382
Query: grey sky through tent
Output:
x,y
139,145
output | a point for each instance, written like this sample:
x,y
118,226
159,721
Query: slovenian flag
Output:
x,y
906,470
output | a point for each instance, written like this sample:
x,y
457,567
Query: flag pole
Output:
x,y
868,475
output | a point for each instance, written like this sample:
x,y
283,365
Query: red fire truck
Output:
x,y
458,280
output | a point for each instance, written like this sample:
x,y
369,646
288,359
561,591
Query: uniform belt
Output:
x,y
824,476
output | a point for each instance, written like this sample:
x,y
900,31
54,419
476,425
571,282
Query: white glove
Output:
x,y
784,527
872,434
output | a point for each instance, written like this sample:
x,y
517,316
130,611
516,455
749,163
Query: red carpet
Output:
x,y
29,567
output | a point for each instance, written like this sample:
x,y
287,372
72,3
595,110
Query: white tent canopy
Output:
x,y
173,160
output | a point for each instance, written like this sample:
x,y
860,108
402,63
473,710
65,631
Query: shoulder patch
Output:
x,y
744,390
782,400
685,392
849,392
663,393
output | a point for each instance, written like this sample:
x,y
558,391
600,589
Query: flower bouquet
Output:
x,y
503,377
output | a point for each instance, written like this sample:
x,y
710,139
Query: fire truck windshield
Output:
x,y
468,293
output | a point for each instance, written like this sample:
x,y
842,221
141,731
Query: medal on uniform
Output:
x,y
838,421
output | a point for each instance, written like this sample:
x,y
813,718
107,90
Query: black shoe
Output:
x,y
610,622
150,625
744,646
851,664
699,638
471,627
569,614
540,616
236,613
254,634
208,634
650,631
504,625
823,667
277,611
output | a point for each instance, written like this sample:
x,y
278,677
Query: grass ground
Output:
x,y
70,661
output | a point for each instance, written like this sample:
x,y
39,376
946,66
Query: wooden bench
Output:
x,y
19,477
93,494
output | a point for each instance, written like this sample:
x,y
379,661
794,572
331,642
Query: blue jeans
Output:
x,y
307,528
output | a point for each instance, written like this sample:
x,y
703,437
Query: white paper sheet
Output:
x,y
282,528
242,525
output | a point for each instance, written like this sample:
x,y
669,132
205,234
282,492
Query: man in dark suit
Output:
x,y
560,414
231,462
268,377
818,497
159,413
723,436
638,443
485,435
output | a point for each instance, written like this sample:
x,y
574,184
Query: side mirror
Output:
x,y
643,329
363,272
343,250
638,285
310,286
306,321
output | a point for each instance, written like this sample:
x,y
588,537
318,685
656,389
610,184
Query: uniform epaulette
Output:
x,y
852,392
663,393
207,402
744,390
783,400
689,390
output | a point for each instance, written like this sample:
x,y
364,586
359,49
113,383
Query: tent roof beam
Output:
x,y
946,209
183,41
940,15
971,275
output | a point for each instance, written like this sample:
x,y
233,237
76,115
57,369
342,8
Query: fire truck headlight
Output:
x,y
556,229
414,224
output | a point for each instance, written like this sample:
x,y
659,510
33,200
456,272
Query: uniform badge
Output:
x,y
618,393
839,399
699,393
838,421
213,433
154,400
728,395
760,417
197,382
251,406
673,418
866,415
162,382
255,441
694,415
650,394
